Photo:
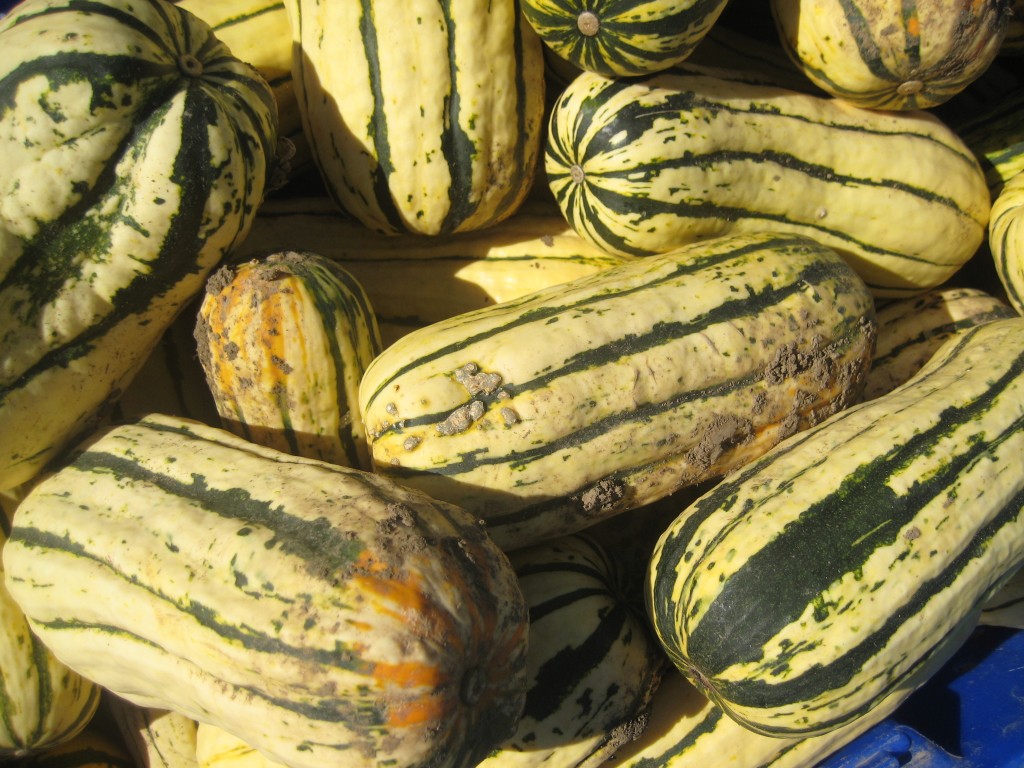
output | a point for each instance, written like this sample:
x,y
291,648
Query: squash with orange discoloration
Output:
x,y
323,614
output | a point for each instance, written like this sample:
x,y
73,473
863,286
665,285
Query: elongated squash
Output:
x,y
321,614
843,567
592,663
134,150
284,341
914,54
42,702
412,281
644,165
622,37
421,116
1006,240
911,330
546,414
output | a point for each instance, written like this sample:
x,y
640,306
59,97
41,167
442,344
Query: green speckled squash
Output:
x,y
323,615
422,116
134,151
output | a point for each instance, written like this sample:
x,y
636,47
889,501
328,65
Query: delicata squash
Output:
x,y
323,615
134,150
843,567
546,414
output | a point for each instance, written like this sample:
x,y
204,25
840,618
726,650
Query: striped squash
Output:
x,y
134,151
284,340
258,33
547,414
42,702
321,614
1006,240
422,116
155,738
911,330
914,54
842,568
686,729
644,165
622,37
592,663
412,281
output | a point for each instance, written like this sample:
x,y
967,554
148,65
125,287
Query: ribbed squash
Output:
x,y
880,54
622,37
686,729
284,340
412,281
321,614
1006,240
592,663
845,566
155,738
546,414
258,33
42,702
645,165
911,330
422,116
134,150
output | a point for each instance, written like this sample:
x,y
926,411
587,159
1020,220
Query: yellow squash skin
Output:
x,y
155,738
1006,239
846,565
216,748
645,165
412,281
283,341
322,614
686,729
911,330
258,33
421,116
546,414
103,238
881,54
43,703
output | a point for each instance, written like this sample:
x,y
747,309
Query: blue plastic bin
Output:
x,y
970,715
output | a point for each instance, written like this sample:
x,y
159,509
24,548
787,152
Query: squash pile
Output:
x,y
501,383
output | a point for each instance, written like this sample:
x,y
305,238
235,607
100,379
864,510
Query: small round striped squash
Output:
x,y
893,56
622,37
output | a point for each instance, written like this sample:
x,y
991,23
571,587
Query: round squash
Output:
x,y
622,37
889,55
